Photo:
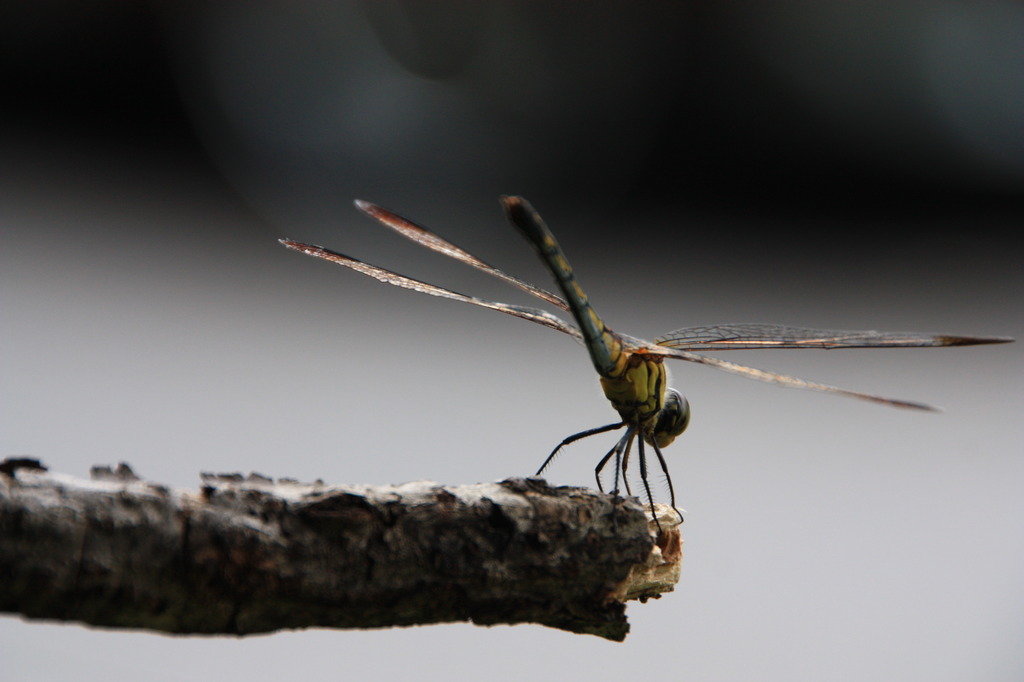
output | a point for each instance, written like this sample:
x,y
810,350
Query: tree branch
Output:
x,y
247,554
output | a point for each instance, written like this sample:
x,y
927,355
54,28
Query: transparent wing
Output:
x,y
744,336
782,379
428,239
532,314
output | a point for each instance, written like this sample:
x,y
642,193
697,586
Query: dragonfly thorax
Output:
x,y
636,387
640,394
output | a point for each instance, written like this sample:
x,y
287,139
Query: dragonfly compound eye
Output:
x,y
673,418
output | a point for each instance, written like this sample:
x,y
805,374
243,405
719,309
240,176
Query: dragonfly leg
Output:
x,y
623,468
600,465
647,486
575,437
668,480
617,453
621,448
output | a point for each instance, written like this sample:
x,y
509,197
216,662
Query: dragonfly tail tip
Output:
x,y
512,201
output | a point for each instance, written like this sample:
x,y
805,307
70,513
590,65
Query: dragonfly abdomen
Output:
x,y
604,345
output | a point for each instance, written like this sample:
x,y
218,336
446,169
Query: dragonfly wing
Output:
x,y
745,336
532,314
781,379
428,239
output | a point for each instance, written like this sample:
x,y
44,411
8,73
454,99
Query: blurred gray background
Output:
x,y
848,166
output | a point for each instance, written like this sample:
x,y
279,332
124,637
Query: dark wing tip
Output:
x,y
971,340
381,214
912,405
301,247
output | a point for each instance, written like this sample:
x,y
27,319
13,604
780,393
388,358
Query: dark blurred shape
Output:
x,y
97,71
302,107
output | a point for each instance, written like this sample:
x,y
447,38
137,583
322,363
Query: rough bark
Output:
x,y
246,555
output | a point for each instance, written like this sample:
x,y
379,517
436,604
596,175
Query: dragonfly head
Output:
x,y
672,420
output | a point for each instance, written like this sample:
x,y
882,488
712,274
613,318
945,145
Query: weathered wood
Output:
x,y
247,554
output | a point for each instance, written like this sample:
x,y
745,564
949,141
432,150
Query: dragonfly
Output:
x,y
631,371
